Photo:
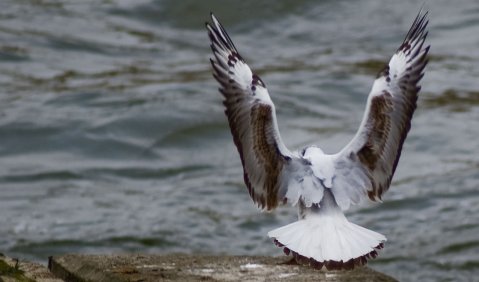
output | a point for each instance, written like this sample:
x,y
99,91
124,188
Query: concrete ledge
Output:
x,y
180,267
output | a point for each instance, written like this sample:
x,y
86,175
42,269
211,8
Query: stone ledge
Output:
x,y
181,267
17,270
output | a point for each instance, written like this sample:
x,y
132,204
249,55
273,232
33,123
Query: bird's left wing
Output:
x,y
365,167
252,119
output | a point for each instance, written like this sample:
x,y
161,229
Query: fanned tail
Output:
x,y
326,238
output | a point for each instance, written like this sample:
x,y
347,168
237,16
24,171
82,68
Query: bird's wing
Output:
x,y
365,167
252,119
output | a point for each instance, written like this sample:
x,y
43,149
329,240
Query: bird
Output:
x,y
322,186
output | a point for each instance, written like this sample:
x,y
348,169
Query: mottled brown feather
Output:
x,y
381,122
265,151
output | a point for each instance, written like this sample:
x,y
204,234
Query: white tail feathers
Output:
x,y
328,239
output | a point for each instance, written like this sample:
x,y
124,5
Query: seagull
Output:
x,y
322,186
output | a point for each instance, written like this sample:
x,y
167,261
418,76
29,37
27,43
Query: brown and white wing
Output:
x,y
366,165
252,119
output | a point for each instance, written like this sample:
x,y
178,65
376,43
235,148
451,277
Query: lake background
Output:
x,y
113,137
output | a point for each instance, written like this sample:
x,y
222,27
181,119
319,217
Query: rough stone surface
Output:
x,y
25,271
180,267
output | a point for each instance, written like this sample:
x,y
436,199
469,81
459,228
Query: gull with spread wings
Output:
x,y
321,185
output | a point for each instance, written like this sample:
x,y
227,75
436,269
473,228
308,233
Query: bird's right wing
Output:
x,y
365,167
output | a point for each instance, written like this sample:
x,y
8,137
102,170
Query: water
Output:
x,y
113,137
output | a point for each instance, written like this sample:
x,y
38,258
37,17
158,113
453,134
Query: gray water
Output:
x,y
113,137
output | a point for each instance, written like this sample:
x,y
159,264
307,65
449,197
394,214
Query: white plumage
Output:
x,y
322,186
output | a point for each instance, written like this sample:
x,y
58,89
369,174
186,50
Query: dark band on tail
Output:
x,y
331,264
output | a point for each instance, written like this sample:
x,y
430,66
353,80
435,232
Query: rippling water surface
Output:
x,y
113,137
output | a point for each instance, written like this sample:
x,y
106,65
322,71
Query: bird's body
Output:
x,y
321,185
